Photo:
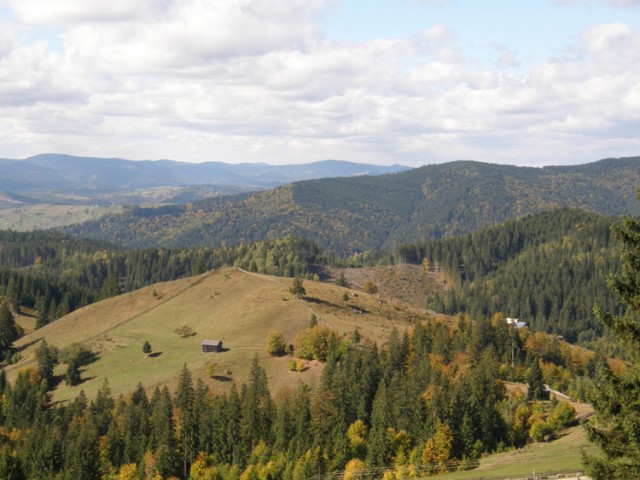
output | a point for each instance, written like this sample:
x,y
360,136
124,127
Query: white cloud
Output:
x,y
67,12
199,80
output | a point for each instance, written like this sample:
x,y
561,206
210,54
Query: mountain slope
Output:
x,y
358,213
549,269
238,307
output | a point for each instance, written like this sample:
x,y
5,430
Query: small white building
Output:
x,y
516,322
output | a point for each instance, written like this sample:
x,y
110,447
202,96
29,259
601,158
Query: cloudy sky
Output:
x,y
527,82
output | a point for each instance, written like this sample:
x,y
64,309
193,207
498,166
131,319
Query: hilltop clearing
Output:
x,y
413,284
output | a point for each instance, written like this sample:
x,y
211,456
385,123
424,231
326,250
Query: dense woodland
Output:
x,y
432,400
548,269
355,214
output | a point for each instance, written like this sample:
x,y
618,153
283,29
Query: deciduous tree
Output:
x,y
276,344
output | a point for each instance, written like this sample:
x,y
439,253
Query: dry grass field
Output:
x,y
237,307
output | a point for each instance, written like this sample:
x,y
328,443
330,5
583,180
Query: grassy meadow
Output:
x,y
237,307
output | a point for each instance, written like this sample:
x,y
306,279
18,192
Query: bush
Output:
x,y
562,416
292,365
276,344
184,331
341,281
370,287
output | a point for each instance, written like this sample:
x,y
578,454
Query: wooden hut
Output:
x,y
211,346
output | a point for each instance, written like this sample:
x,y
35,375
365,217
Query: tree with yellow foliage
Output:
x,y
437,450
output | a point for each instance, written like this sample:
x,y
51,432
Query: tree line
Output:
x,y
54,274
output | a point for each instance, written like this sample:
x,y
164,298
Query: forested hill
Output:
x,y
548,269
54,274
354,214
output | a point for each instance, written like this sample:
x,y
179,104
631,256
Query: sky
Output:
x,y
414,82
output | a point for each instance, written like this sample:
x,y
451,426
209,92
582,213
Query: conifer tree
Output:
x,y
47,358
184,400
259,411
341,281
232,413
72,377
535,382
102,408
8,330
616,429
378,448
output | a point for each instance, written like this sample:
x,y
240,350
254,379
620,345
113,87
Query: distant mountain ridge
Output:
x,y
350,215
58,171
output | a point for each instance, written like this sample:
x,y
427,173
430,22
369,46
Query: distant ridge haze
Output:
x,y
59,171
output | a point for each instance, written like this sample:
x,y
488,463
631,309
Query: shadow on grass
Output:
x,y
154,354
28,344
221,378
84,380
319,301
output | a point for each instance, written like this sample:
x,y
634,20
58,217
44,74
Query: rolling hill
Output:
x,y
354,214
238,307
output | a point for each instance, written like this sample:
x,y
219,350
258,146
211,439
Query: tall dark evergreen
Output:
x,y
258,408
616,428
46,358
184,400
535,382
8,330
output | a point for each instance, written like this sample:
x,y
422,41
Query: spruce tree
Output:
x,y
47,358
184,400
8,330
72,376
536,389
258,407
616,398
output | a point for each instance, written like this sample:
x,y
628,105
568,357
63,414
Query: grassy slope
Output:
x,y
559,456
237,307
